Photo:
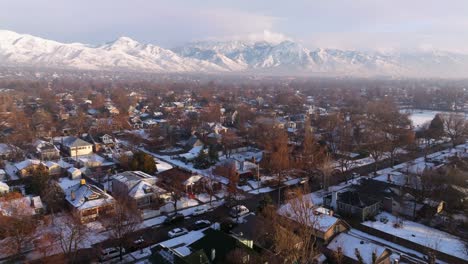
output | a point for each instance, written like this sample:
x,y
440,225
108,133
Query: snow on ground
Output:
x,y
144,253
398,173
262,190
245,155
162,166
191,210
254,184
204,197
154,221
245,188
388,244
421,234
349,244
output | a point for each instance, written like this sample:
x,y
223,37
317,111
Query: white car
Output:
x,y
177,232
239,210
109,253
200,211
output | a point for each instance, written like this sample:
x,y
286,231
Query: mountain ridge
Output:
x,y
286,57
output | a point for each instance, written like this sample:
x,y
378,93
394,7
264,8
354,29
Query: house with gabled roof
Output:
x,y
88,202
138,187
74,146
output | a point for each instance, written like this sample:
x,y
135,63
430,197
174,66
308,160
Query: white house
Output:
x,y
76,147
4,188
74,173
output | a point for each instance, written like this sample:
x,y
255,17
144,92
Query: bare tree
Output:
x,y
122,222
295,236
70,233
19,227
455,127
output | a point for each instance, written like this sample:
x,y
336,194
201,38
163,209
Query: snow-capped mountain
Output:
x,y
122,54
286,57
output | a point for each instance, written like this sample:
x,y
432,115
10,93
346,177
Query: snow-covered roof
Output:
x,y
320,221
5,149
73,142
420,234
84,196
26,163
4,186
73,170
349,244
21,206
184,240
50,164
193,179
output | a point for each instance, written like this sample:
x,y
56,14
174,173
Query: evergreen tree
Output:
x,y
143,162
213,154
201,161
39,180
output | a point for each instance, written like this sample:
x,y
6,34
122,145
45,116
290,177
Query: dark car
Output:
x,y
200,224
175,218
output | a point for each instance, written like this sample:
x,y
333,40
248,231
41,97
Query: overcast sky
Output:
x,y
346,24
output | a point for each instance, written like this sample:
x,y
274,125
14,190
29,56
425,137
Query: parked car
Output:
x,y
177,232
200,224
200,210
238,210
137,244
109,253
174,219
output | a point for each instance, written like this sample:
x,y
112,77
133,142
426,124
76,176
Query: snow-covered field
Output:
x,y
420,117
421,234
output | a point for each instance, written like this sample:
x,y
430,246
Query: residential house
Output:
x,y
46,150
183,180
74,173
351,203
88,202
325,224
26,167
8,151
2,174
23,206
4,188
75,147
202,247
54,168
138,187
352,246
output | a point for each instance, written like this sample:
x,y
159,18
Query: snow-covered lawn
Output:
x,y
162,166
421,234
245,188
262,190
398,173
204,197
154,221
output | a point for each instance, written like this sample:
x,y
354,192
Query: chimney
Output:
x,y
82,182
73,195
213,254
334,199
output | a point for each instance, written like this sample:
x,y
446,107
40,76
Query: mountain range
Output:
x,y
284,58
